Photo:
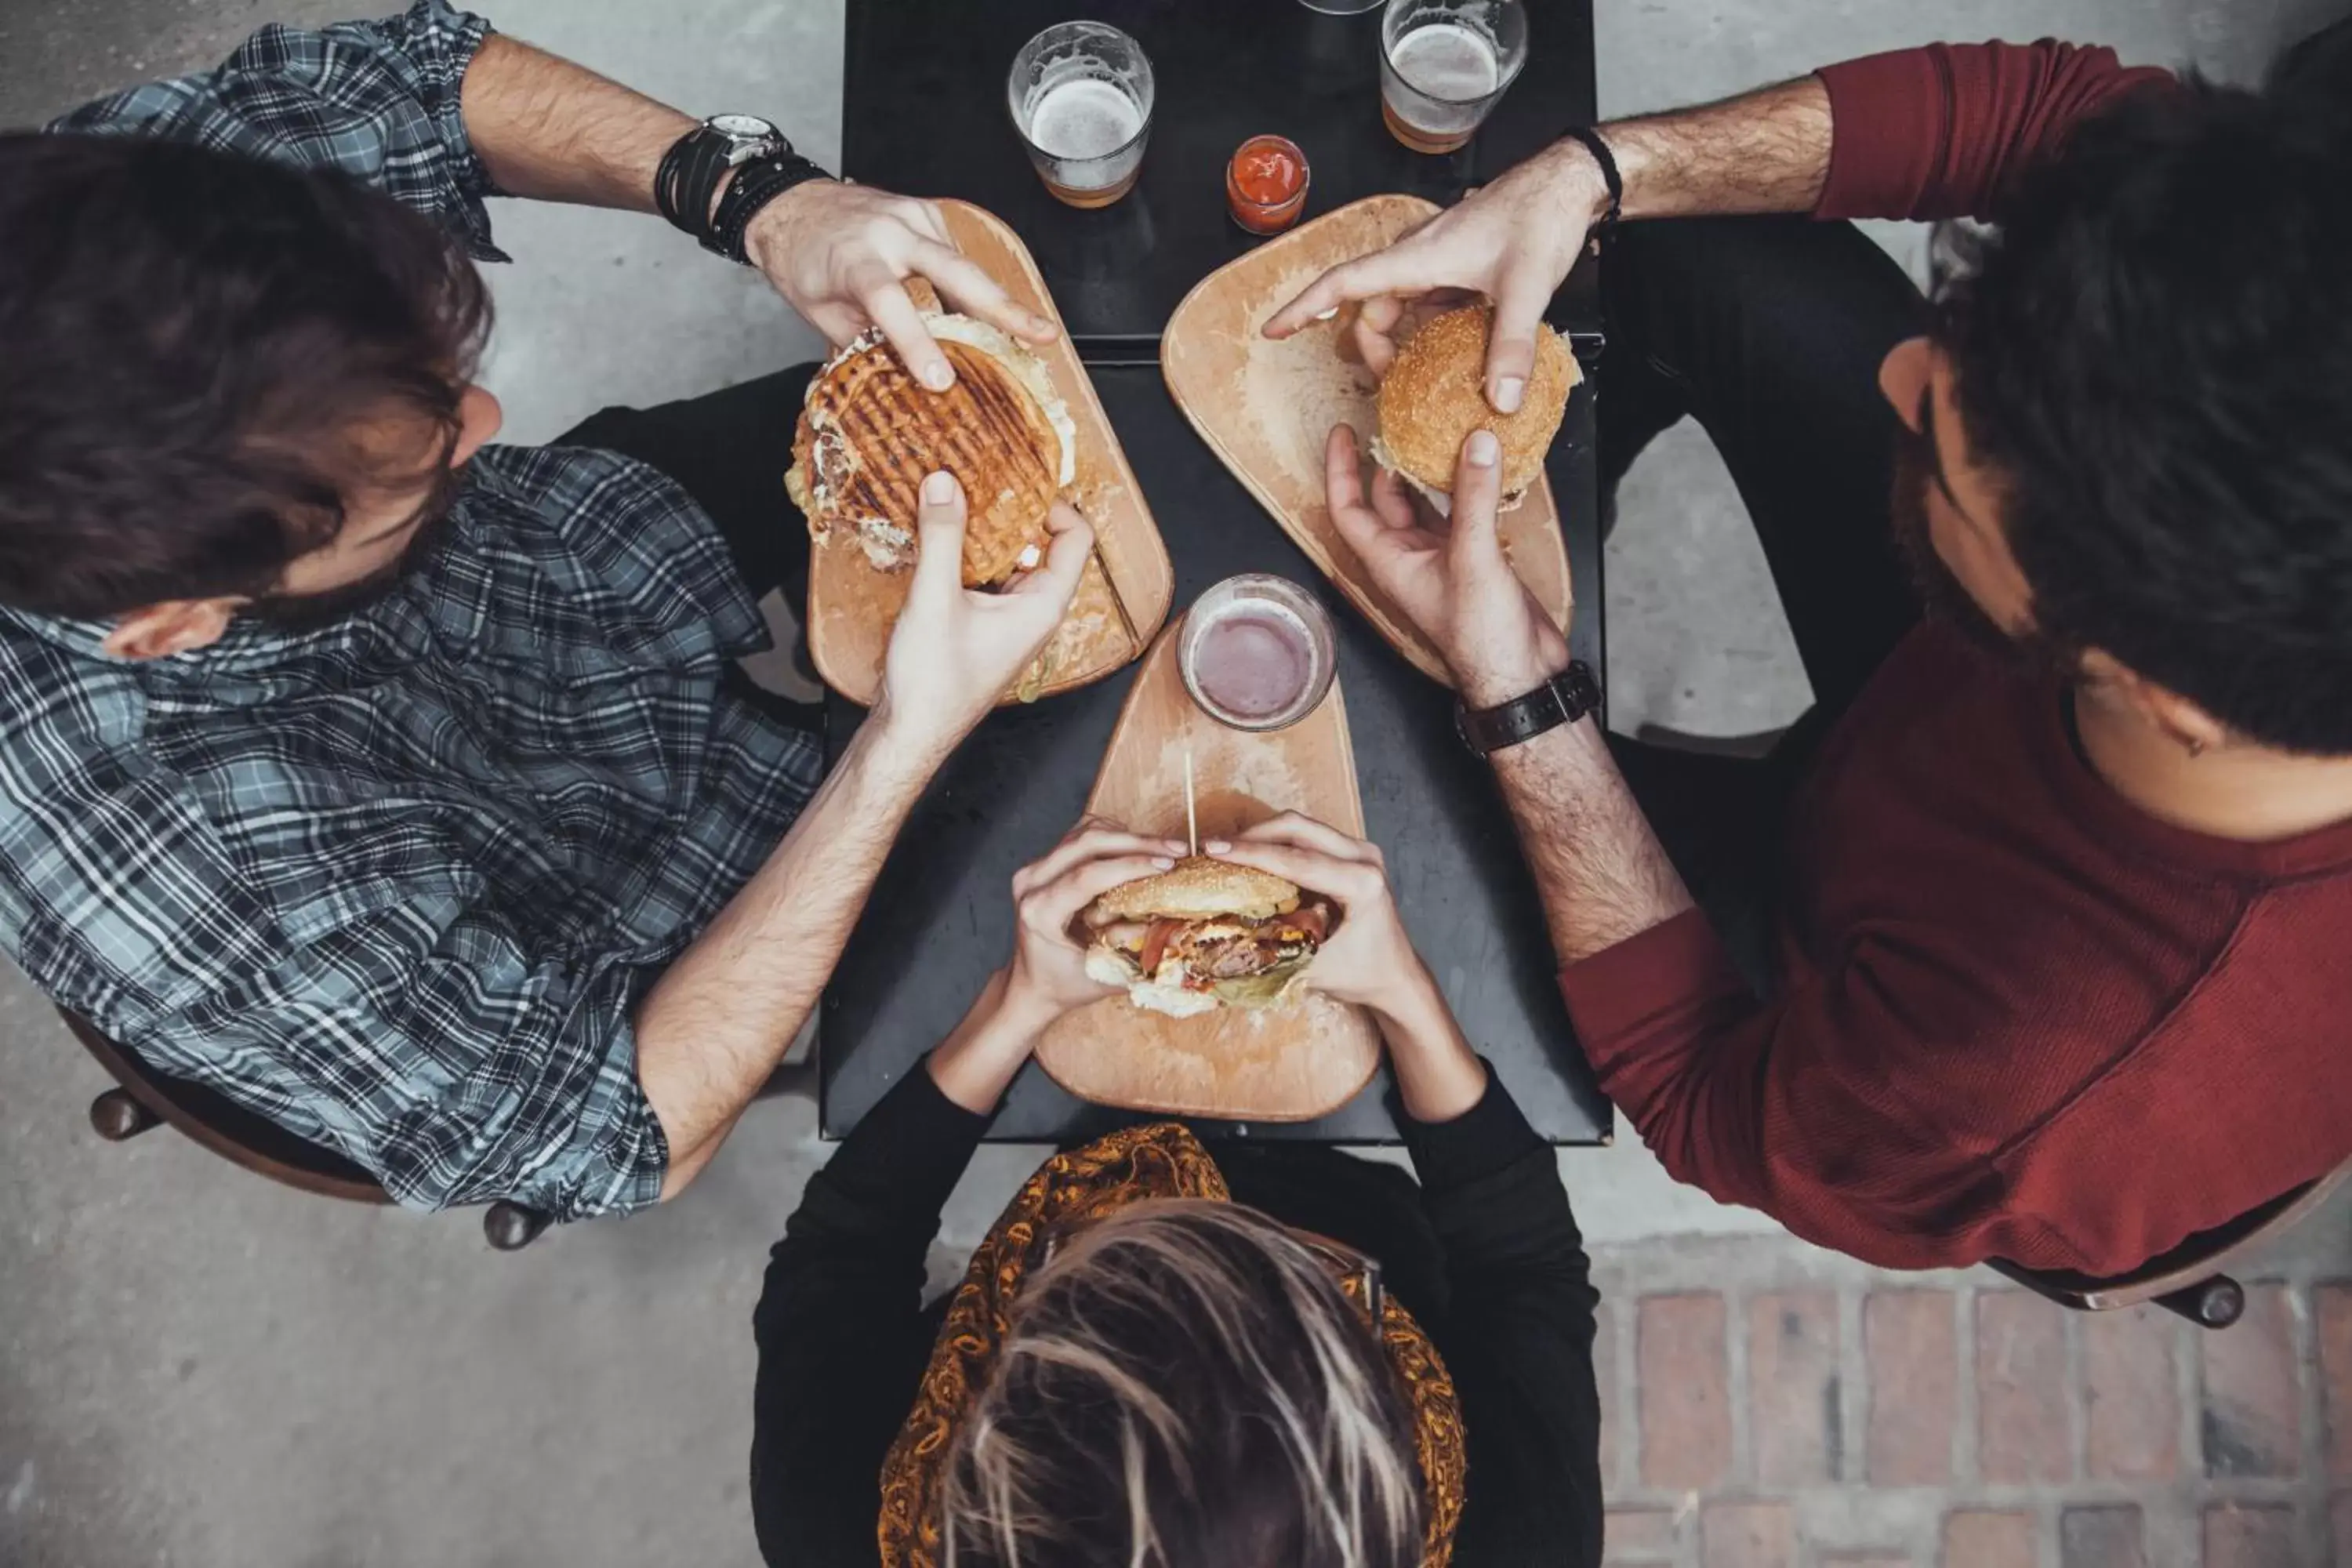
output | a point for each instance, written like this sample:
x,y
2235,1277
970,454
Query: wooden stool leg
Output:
x,y
510,1227
2214,1303
116,1116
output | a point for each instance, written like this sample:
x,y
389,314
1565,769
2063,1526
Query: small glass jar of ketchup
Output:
x,y
1266,184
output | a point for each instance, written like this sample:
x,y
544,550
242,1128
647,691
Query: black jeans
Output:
x,y
1769,332
728,449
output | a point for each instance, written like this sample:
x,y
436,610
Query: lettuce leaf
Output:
x,y
1262,990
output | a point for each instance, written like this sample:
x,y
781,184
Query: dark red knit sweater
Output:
x,y
2018,1018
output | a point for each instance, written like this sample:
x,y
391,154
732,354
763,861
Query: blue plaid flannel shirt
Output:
x,y
398,884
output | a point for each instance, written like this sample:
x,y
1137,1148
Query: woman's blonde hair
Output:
x,y
1185,1385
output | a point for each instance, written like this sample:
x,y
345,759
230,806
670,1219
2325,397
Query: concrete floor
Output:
x,y
197,1368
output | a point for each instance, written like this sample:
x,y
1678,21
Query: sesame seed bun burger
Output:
x,y
1203,936
1435,395
869,433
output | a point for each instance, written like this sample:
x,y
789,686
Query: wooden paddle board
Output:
x,y
1300,1060
1123,598
1266,408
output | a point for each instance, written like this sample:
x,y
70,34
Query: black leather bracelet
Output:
x,y
688,178
1594,144
1563,699
756,184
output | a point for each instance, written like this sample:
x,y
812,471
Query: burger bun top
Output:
x,y
1435,395
1198,889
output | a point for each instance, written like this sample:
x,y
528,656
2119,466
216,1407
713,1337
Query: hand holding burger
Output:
x,y
1370,961
1513,241
1094,860
1457,586
1367,958
1048,975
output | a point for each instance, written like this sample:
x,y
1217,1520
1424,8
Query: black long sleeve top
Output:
x,y
1485,1252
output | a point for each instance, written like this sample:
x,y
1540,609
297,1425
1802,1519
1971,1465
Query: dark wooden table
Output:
x,y
940,918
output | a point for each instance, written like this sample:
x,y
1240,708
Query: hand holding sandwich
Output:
x,y
1456,586
1047,977
1368,959
955,650
840,253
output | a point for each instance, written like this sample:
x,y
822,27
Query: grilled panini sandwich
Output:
x,y
869,433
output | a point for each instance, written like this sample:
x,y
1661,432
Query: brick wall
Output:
x,y
1765,1409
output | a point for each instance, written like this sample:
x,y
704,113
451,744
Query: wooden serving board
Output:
x,y
1292,1062
1266,408
1128,585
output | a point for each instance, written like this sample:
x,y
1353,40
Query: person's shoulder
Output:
x,y
602,502
56,690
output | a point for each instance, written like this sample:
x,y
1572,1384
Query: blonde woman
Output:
x,y
1170,1356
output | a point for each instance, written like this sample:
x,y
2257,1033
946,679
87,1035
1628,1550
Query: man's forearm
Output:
x,y
1601,872
716,1024
1764,152
548,129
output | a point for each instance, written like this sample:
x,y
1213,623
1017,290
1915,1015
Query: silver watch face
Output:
x,y
749,135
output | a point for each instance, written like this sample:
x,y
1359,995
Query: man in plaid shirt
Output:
x,y
399,785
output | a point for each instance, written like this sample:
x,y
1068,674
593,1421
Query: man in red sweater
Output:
x,y
2052,893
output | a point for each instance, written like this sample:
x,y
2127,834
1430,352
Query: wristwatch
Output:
x,y
1563,699
690,170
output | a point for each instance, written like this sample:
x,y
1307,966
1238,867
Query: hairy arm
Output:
x,y
713,1028
548,129
1599,868
1763,151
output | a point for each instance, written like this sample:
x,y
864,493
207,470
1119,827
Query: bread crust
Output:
x,y
1198,889
1435,395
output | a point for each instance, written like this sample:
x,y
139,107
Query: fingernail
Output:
x,y
1327,315
1484,448
1218,846
1509,392
937,376
1163,862
940,489
1177,846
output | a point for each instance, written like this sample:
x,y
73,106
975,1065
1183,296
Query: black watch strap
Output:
x,y
756,184
1594,144
1563,699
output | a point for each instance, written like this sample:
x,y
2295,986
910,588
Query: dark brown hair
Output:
x,y
190,339
2154,351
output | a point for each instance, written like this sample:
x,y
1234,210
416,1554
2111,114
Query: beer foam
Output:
x,y
1083,119
1448,61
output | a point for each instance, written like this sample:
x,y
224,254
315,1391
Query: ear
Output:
x,y
175,626
480,416
2163,710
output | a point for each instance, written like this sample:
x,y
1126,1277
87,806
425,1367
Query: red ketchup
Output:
x,y
1266,185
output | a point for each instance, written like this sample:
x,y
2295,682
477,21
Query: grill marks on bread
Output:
x,y
986,430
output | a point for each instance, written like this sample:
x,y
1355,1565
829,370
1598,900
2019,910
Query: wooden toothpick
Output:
x,y
1192,822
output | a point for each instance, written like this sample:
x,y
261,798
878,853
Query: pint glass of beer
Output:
x,y
1080,95
1444,64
